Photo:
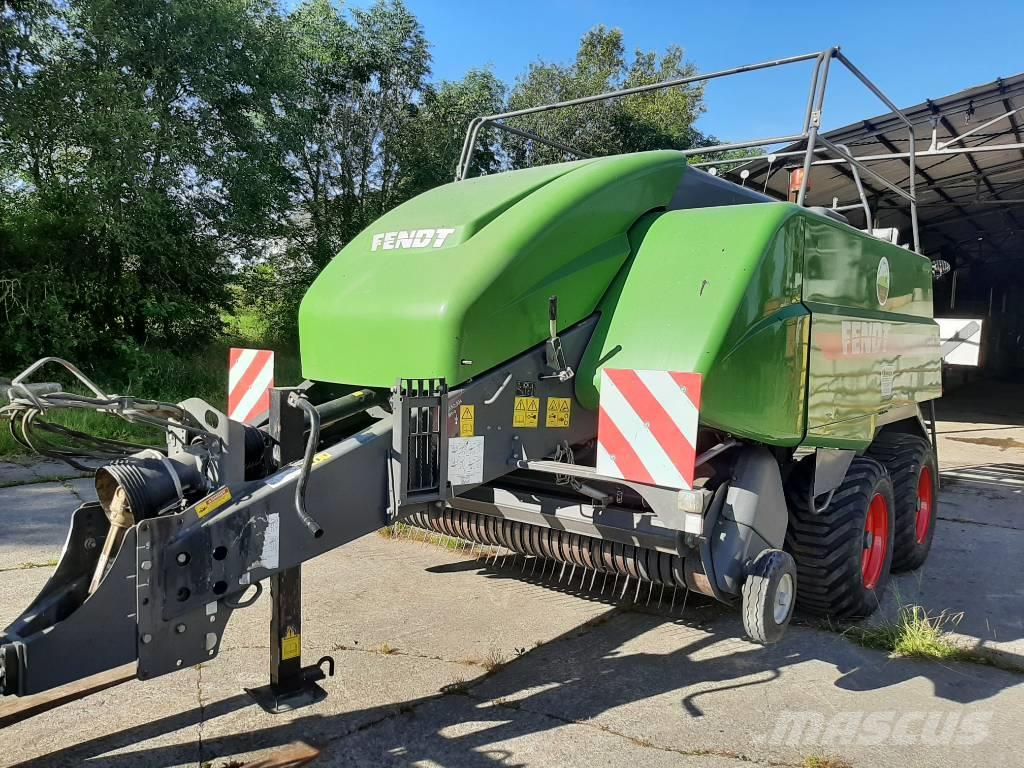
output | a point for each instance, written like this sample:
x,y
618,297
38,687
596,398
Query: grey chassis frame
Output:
x,y
177,578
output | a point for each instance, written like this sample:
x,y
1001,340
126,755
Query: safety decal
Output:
x,y
558,412
526,413
647,426
215,500
888,377
291,645
321,457
466,460
467,418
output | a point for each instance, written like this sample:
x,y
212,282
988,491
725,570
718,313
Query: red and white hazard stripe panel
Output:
x,y
250,377
647,426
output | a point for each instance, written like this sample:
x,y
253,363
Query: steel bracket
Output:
x,y
419,453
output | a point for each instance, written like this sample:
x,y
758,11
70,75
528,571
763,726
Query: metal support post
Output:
x,y
291,685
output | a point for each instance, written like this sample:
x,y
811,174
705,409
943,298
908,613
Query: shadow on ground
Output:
x,y
577,678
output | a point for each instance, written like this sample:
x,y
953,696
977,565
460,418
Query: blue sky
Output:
x,y
912,50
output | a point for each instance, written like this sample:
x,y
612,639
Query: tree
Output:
x,y
135,139
348,124
657,120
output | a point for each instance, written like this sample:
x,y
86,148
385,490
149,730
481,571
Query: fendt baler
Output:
x,y
622,364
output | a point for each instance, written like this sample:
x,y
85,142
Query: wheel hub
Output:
x,y
783,602
876,541
925,504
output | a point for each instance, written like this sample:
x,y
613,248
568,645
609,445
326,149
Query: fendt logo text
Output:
x,y
412,238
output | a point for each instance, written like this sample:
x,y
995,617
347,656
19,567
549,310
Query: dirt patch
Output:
x,y
1002,443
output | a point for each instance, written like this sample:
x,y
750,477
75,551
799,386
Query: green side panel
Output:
x,y
401,300
874,346
714,291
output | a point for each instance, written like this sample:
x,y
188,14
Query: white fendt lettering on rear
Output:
x,y
411,238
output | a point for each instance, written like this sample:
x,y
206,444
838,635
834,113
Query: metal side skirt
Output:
x,y
551,511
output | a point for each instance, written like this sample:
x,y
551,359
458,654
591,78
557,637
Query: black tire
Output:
x,y
761,592
907,457
829,546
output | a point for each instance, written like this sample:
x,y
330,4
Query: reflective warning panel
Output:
x,y
647,426
250,377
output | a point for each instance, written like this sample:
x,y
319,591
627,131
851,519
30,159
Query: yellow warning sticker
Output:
x,y
215,500
527,412
322,456
558,412
467,418
291,646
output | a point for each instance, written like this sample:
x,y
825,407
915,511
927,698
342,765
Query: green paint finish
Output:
x,y
779,308
714,291
842,269
873,344
401,300
804,329
861,366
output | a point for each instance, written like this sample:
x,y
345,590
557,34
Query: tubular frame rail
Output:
x,y
815,142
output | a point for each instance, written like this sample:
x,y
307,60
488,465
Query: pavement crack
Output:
x,y
964,520
29,566
202,715
74,491
636,740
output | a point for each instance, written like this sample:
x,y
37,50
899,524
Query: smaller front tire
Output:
x,y
769,595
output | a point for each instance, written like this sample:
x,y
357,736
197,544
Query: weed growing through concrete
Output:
x,y
386,648
458,686
915,634
493,659
819,761
27,566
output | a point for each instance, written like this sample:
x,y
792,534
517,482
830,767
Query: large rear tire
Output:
x,y
843,554
910,462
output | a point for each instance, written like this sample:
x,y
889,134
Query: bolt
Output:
x,y
147,638
182,558
146,565
90,543
180,629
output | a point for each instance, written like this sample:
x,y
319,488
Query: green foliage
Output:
x,y
656,120
174,173
138,164
915,634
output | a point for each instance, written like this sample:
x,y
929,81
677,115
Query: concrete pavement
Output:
x,y
445,660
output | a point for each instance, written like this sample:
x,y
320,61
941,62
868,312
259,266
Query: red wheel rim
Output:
x,y
925,503
876,541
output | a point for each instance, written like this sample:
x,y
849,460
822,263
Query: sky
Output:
x,y
911,49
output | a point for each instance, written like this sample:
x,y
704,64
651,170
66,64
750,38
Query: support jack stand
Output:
x,y
292,685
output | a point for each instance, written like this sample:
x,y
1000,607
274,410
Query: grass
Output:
x,y
412,533
156,375
28,566
820,761
494,659
915,634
